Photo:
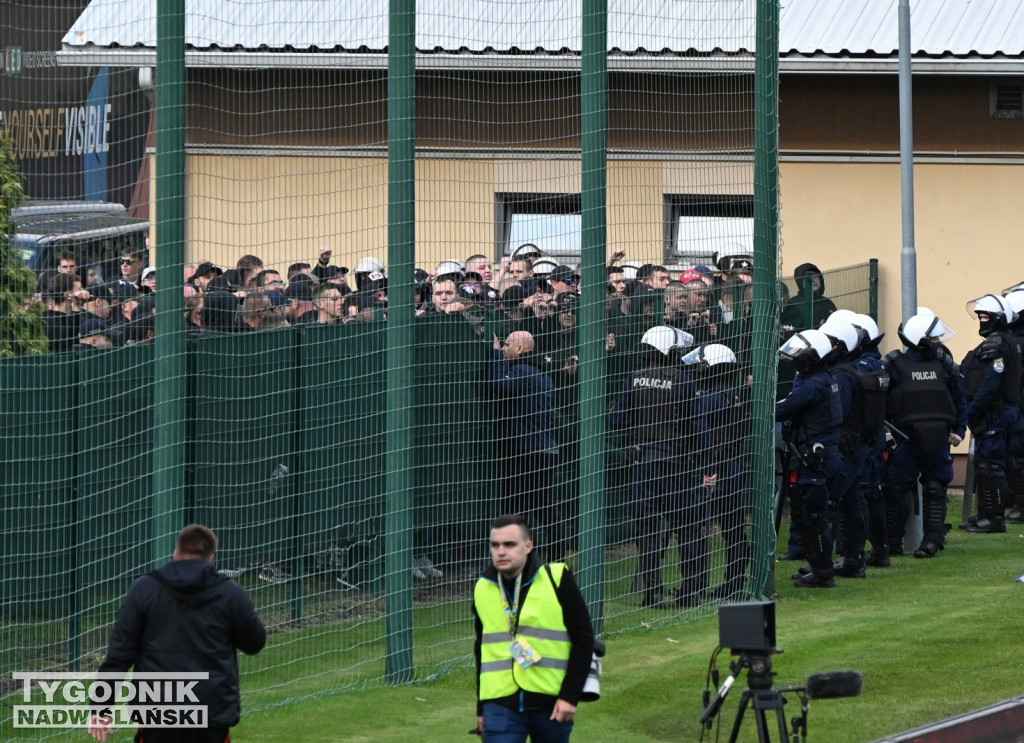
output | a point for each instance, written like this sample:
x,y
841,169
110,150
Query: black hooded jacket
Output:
x,y
186,617
795,312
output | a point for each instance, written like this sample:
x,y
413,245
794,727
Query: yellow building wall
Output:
x,y
282,208
968,227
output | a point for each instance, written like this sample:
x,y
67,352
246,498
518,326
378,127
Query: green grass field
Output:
x,y
932,638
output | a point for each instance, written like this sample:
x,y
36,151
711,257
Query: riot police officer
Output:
x,y
992,387
926,404
814,412
870,361
1015,456
656,408
845,494
728,419
861,440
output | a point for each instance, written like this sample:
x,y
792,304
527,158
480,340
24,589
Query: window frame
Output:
x,y
507,205
732,206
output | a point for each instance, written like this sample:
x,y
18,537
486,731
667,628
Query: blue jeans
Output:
x,y
504,725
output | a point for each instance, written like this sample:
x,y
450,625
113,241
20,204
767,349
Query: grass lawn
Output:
x,y
932,638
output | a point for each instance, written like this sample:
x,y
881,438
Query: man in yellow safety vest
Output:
x,y
534,641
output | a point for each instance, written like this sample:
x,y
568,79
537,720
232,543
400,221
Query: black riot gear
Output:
x,y
923,396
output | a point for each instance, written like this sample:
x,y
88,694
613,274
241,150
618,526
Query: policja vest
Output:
x,y
657,406
869,396
922,395
539,622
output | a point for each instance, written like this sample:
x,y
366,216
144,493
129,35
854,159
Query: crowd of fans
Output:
x,y
531,292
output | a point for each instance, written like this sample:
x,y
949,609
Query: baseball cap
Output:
x,y
692,275
331,272
568,301
277,299
123,289
562,273
147,271
92,326
205,268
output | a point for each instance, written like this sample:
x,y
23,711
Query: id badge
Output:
x,y
523,653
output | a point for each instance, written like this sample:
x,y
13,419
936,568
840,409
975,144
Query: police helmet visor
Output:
x,y
994,306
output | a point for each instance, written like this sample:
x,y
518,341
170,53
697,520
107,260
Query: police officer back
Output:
x,y
925,403
656,408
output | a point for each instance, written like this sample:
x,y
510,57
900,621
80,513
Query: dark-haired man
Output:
x,y
185,617
534,641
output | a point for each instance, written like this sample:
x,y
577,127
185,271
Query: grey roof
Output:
x,y
808,28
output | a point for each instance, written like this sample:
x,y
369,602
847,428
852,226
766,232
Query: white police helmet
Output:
x,y
994,306
666,339
869,328
807,345
924,329
1014,288
710,355
543,266
368,265
449,267
845,336
1015,299
629,269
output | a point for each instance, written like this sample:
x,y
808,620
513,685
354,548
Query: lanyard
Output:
x,y
511,610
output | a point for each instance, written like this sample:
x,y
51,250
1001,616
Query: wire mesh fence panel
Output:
x,y
271,324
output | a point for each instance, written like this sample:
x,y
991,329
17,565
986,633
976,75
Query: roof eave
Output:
x,y
617,62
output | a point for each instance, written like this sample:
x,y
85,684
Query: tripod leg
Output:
x,y
744,701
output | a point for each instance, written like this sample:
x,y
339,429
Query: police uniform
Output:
x,y
728,420
845,494
656,407
876,530
992,385
814,410
1015,453
926,404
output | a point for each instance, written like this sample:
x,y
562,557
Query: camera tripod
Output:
x,y
762,697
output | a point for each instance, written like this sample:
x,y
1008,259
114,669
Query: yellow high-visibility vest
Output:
x,y
540,623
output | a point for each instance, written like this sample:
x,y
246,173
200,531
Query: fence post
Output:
x,y
766,309
594,92
400,336
169,345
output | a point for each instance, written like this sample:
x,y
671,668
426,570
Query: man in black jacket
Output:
x,y
187,617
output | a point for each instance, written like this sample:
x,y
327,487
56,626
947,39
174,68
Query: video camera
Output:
x,y
748,631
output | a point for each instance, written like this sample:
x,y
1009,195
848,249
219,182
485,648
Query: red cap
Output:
x,y
687,276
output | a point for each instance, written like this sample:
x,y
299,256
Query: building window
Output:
x,y
552,222
699,226
1006,99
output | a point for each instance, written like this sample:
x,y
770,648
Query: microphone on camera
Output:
x,y
834,685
